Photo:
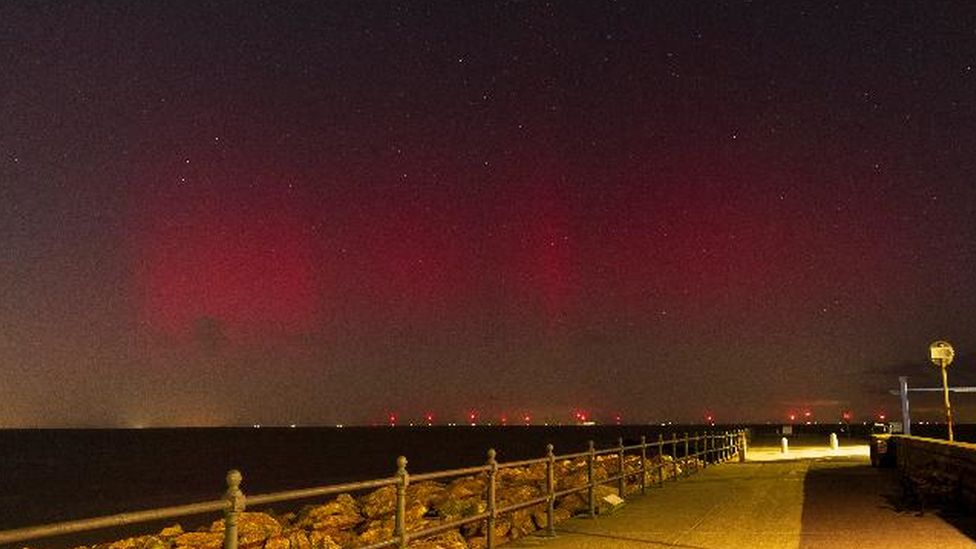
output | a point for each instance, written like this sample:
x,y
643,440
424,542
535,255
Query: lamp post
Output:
x,y
941,353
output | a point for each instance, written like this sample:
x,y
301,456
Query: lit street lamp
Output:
x,y
942,353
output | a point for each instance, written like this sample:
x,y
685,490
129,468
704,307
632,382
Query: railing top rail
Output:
x,y
434,475
522,463
289,495
121,519
572,456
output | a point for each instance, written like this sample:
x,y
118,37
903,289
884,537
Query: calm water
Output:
x,y
55,475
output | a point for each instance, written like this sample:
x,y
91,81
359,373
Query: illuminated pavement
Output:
x,y
811,499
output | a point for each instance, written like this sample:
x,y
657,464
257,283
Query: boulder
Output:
x,y
253,529
517,476
466,487
573,504
448,540
425,493
382,529
523,522
379,502
341,513
541,518
321,540
170,532
140,542
199,540
475,532
277,542
453,509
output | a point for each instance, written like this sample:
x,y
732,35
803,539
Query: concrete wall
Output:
x,y
948,463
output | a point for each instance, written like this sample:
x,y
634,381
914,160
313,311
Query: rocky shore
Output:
x,y
351,521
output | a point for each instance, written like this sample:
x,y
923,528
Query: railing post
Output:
x,y
742,446
674,456
621,482
709,447
643,467
492,471
399,524
590,495
697,458
551,491
235,503
685,458
660,459
726,453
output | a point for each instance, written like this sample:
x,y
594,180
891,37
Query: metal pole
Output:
x,y
589,479
660,460
906,417
643,468
235,506
492,471
685,457
697,440
551,491
945,393
621,482
399,524
674,456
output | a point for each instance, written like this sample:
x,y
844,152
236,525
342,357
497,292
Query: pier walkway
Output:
x,y
814,498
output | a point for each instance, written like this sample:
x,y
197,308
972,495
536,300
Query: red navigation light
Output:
x,y
430,418
708,419
473,416
393,420
527,418
504,420
881,416
792,417
806,414
846,415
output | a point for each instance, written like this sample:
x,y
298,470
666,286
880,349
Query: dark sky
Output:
x,y
323,212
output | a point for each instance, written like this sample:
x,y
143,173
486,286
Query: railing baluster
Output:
x,y
621,482
399,524
591,495
674,456
551,491
492,471
742,446
697,457
660,459
685,472
643,467
235,506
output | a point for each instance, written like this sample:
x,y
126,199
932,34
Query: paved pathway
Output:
x,y
834,502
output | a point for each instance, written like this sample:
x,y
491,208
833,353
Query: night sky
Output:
x,y
326,212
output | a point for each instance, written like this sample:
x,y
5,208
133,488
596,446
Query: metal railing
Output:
x,y
705,448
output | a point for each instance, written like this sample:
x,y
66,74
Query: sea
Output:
x,y
54,475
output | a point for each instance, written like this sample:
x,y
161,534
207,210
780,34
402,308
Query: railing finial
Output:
x,y
235,504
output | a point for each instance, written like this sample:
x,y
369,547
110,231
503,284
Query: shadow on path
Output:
x,y
857,503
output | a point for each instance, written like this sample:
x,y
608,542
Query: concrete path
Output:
x,y
826,502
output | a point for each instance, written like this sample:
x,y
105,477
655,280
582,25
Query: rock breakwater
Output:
x,y
349,521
